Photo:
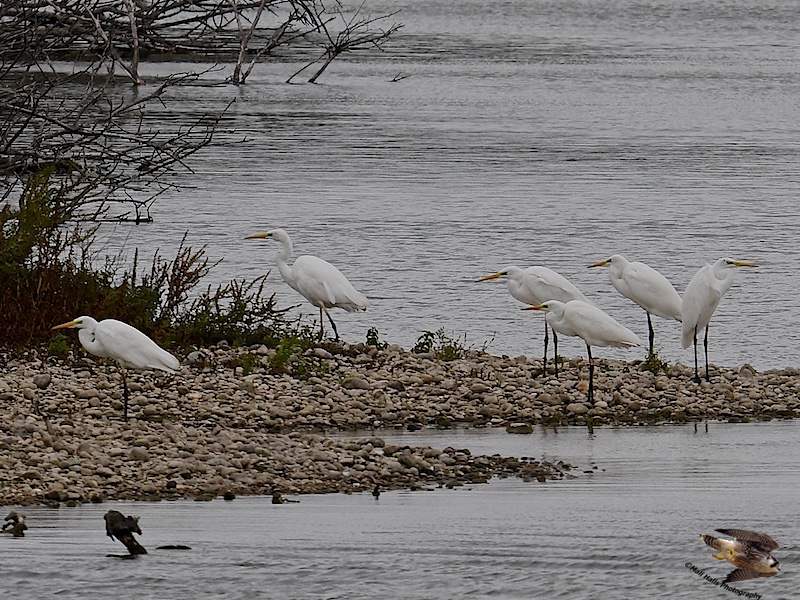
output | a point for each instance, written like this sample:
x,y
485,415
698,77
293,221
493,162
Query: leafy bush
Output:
x,y
438,343
374,339
48,276
238,312
654,364
291,357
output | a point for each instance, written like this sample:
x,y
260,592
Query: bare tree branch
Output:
x,y
63,108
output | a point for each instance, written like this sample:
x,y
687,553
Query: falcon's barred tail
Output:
x,y
712,541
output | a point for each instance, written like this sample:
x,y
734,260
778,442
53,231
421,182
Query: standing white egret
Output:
x,y
700,300
127,345
646,287
317,280
535,285
586,321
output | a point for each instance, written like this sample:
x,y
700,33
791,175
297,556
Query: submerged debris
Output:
x,y
15,524
122,527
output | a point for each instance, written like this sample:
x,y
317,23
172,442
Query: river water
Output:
x,y
624,527
520,132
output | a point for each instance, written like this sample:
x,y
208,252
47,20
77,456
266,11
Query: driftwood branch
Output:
x,y
356,31
66,105
122,528
124,33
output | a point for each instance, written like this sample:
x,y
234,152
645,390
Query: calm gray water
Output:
x,y
625,530
525,132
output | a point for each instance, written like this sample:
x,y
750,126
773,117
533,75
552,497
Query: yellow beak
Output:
x,y
488,277
257,236
602,263
739,263
537,307
66,325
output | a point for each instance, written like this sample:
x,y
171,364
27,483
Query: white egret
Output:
x,y
700,300
317,280
535,285
127,345
586,321
646,287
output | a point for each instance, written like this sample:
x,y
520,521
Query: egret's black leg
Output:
x,y
335,332
591,374
544,360
705,347
652,333
124,395
321,325
555,353
696,374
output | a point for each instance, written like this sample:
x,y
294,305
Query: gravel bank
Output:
x,y
229,424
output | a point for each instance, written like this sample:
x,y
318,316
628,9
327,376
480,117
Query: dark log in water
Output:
x,y
122,527
15,524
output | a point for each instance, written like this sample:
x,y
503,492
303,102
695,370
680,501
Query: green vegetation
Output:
x,y
59,346
248,363
374,340
292,356
654,364
438,343
287,349
48,275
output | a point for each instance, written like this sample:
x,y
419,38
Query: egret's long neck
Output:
x,y
721,270
281,258
88,341
617,267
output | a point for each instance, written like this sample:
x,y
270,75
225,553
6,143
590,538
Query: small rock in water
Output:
x,y
520,428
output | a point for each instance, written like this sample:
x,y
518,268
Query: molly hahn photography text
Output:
x,y
722,584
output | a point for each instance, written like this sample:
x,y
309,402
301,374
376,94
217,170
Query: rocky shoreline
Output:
x,y
238,421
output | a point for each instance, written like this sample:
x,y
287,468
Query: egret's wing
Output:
x,y
699,302
323,284
652,291
133,348
762,539
597,328
545,284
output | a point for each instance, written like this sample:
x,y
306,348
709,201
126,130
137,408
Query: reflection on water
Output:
x,y
628,525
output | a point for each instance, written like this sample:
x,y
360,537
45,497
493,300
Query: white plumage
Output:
x,y
646,287
317,280
701,299
127,345
536,285
588,322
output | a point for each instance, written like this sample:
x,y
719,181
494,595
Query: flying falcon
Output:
x,y
748,551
